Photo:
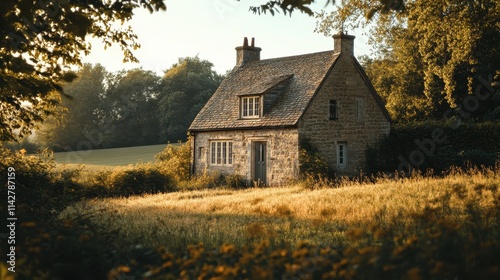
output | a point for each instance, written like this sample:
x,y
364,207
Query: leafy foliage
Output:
x,y
415,144
185,88
83,112
286,6
142,179
132,101
40,40
33,181
429,55
106,110
312,166
176,161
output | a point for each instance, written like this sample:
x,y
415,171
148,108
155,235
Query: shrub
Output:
x,y
175,160
235,181
214,180
459,145
312,165
140,179
35,184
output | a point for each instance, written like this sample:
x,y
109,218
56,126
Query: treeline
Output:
x,y
129,108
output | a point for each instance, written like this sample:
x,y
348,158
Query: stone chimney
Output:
x,y
343,43
247,53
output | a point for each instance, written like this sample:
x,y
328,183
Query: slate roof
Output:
x,y
301,75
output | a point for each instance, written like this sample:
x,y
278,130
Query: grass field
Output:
x,y
421,227
294,214
109,158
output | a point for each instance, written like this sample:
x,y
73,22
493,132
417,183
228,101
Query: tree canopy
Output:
x,y
40,39
82,113
429,56
107,110
132,102
186,87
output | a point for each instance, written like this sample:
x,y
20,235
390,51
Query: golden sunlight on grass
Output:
x,y
287,214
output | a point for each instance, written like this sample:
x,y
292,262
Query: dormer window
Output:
x,y
250,107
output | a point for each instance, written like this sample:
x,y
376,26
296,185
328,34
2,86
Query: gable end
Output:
x,y
365,78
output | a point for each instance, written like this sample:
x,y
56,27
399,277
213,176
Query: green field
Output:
x,y
106,158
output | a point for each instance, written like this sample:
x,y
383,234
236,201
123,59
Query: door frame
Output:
x,y
254,161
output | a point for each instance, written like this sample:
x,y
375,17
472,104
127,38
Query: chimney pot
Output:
x,y
246,53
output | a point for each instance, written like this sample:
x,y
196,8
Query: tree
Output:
x,y
132,102
185,89
40,39
83,114
289,6
106,111
435,53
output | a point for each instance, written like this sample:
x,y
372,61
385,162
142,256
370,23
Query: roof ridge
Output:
x,y
291,56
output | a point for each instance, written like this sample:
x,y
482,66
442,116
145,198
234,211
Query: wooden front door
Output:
x,y
260,162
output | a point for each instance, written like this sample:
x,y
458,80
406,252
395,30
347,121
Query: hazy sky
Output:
x,y
212,29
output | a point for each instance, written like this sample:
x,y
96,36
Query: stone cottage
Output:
x,y
254,122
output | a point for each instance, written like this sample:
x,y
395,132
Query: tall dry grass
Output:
x,y
296,213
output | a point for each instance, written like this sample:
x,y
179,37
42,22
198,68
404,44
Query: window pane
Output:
x,y
224,151
245,107
213,153
341,156
218,153
230,153
250,106
256,107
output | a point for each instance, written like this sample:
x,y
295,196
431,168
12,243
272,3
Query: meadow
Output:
x,y
150,221
418,227
294,213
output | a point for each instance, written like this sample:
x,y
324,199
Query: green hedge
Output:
x,y
435,145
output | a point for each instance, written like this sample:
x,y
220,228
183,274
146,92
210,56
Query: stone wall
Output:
x,y
282,153
360,120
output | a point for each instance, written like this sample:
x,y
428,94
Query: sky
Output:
x,y
212,29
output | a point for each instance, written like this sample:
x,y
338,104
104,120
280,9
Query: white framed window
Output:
x,y
250,107
341,155
221,153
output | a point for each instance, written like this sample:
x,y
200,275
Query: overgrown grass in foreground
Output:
x,y
295,213
411,228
